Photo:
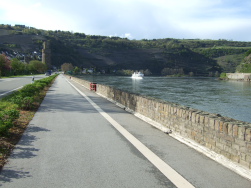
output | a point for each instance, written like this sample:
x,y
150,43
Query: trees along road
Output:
x,y
7,85
79,139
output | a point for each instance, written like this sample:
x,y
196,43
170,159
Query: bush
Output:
x,y
7,105
7,118
27,103
22,99
223,75
29,90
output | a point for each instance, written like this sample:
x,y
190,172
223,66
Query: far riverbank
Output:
x,y
239,76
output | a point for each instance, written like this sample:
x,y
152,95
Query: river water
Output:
x,y
227,98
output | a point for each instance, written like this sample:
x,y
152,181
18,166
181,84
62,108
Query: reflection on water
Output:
x,y
228,98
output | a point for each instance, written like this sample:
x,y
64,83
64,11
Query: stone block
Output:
x,y
248,135
235,158
248,158
233,151
197,118
206,121
212,142
208,145
240,143
227,148
221,127
226,141
194,134
249,147
220,145
225,128
202,119
243,156
226,154
217,125
235,130
243,149
212,123
193,116
187,115
244,163
241,132
230,129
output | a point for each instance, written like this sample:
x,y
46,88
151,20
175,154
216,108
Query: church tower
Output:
x,y
46,54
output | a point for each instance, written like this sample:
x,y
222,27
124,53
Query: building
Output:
x,y
46,54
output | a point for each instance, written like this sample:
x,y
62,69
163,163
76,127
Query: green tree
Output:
x,y
37,66
16,66
2,64
76,70
5,67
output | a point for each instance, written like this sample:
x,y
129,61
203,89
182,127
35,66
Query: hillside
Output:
x,y
201,57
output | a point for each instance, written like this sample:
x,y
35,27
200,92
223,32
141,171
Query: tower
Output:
x,y
46,54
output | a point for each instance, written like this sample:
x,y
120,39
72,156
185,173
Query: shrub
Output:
x,y
7,118
27,103
223,75
7,105
29,90
22,99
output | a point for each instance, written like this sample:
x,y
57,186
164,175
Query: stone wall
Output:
x,y
239,76
228,137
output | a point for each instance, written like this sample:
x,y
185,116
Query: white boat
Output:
x,y
137,75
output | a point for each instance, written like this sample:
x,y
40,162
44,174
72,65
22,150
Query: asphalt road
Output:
x,y
9,84
85,141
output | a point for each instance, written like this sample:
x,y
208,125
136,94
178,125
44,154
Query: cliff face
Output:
x,y
154,59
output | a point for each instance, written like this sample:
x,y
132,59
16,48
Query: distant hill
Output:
x,y
201,57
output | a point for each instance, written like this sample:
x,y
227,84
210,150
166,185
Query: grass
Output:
x,y
14,130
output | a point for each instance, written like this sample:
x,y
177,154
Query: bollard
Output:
x,y
93,86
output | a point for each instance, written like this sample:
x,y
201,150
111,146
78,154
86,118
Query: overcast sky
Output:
x,y
135,19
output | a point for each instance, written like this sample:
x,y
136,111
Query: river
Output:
x,y
227,98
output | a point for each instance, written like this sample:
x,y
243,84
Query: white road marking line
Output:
x,y
10,91
170,173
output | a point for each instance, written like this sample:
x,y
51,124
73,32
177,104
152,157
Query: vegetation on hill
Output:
x,y
113,54
245,66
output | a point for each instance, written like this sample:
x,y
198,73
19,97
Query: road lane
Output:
x,y
8,85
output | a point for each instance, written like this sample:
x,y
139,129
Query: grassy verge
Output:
x,y
16,111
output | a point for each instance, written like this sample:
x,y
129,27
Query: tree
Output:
x,y
2,64
37,66
77,70
5,64
16,65
67,67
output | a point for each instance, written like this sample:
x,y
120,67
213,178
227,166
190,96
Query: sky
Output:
x,y
135,19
